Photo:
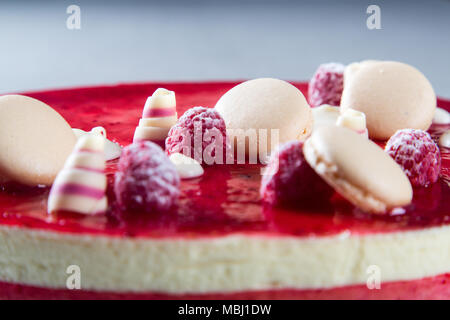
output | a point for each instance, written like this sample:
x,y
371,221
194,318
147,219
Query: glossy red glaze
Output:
x,y
429,288
224,201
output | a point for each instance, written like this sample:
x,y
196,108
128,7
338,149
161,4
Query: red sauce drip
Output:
x,y
225,200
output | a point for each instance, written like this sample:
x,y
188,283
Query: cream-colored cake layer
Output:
x,y
231,263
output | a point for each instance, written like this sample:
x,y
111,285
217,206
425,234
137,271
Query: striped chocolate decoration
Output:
x,y
158,116
80,186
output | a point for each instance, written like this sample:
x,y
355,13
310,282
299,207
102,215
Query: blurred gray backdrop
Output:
x,y
129,41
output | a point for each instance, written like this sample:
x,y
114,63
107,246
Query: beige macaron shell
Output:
x,y
35,140
267,104
358,169
392,95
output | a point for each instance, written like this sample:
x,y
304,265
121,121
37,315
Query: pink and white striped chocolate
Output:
x,y
80,186
158,117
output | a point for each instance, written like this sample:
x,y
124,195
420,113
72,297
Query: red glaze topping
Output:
x,y
225,200
437,288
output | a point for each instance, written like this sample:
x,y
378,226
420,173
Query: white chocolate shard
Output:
x,y
444,140
325,115
155,134
112,149
187,167
441,116
158,116
161,122
353,119
81,185
160,99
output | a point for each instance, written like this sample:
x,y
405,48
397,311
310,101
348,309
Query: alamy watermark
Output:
x,y
374,277
73,281
73,21
373,21
238,146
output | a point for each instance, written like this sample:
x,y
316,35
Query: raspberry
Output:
x,y
146,180
290,180
204,125
417,154
326,86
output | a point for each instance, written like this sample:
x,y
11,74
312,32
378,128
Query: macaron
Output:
x,y
392,95
358,169
267,106
35,141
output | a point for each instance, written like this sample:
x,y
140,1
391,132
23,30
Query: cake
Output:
x,y
221,242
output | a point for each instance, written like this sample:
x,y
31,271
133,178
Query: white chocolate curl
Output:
x,y
112,149
353,119
441,116
80,186
325,115
444,140
158,117
187,168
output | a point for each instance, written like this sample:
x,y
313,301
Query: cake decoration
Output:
x,y
112,149
158,116
273,110
353,119
358,169
326,85
80,186
220,223
392,95
187,167
325,115
201,134
441,116
35,141
289,180
444,140
417,154
146,180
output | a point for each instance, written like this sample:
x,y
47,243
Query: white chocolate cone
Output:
x,y
80,186
353,119
158,117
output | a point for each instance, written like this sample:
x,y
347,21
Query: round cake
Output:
x,y
220,241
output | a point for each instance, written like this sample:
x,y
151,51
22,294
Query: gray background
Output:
x,y
133,41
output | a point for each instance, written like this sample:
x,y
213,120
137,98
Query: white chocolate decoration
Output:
x,y
80,186
112,149
353,119
187,167
158,117
441,116
325,115
444,140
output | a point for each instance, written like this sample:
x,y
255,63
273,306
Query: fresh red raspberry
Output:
x,y
146,180
289,180
200,133
326,86
417,154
